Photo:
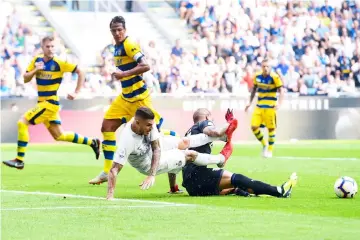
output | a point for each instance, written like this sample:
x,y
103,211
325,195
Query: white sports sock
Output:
x,y
279,190
200,140
204,159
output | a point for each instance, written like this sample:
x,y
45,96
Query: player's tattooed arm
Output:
x,y
155,145
150,179
211,131
114,171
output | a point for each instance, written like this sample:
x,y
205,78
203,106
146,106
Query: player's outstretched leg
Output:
x,y
257,187
203,159
23,140
260,137
108,129
288,186
226,152
66,136
73,137
271,143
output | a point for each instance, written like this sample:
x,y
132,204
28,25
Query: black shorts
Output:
x,y
203,181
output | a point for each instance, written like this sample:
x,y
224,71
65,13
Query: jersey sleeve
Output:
x,y
133,50
277,81
205,124
66,66
149,79
125,147
31,65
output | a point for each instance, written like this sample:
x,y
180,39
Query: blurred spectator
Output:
x,y
314,46
75,5
307,43
177,50
19,44
129,5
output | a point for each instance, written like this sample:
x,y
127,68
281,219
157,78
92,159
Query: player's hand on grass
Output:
x,y
147,183
71,96
110,197
39,66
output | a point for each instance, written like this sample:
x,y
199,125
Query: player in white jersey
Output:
x,y
151,154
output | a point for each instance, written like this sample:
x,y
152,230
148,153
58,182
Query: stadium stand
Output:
x,y
21,27
313,45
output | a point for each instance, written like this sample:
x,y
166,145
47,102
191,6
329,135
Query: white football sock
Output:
x,y
204,159
200,140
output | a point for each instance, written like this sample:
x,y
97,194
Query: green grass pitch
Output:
x,y
313,211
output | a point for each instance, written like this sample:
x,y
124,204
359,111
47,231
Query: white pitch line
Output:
x,y
97,198
74,207
319,158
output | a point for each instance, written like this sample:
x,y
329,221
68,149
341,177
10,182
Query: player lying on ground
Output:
x,y
140,136
203,181
266,84
130,64
49,71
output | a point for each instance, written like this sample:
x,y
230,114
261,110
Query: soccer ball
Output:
x,y
345,187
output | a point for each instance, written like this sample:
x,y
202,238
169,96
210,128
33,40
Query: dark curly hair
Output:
x,y
118,19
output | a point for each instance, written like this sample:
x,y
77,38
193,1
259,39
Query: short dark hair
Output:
x,y
199,113
144,113
47,38
118,19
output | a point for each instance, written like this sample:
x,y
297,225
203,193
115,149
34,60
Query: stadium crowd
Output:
x,y
314,47
19,44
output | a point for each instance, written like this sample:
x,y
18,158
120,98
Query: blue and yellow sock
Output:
x,y
75,138
271,140
168,132
260,136
23,140
109,148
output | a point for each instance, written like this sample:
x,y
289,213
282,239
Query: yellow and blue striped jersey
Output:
x,y
49,79
126,57
267,87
